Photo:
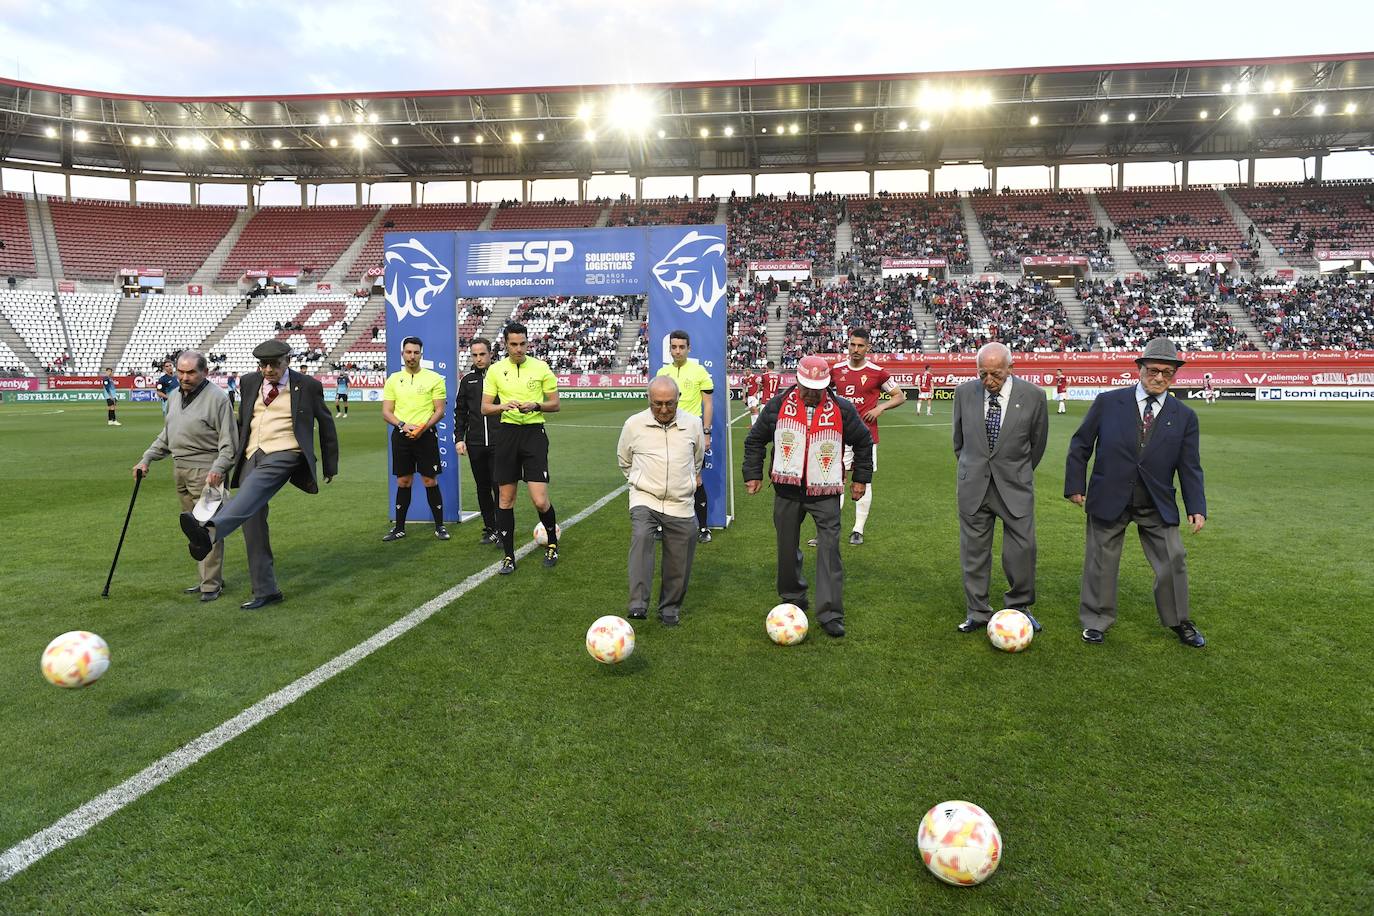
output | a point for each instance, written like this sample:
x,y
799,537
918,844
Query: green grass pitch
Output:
x,y
485,763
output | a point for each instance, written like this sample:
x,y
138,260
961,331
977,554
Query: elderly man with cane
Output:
x,y
200,436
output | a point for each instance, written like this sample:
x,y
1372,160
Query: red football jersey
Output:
x,y
772,384
862,387
927,382
751,385
1062,384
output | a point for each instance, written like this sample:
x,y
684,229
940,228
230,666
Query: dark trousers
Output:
x,y
263,475
679,547
1018,555
480,460
1102,562
787,520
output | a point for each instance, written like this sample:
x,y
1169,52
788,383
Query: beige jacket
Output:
x,y
662,463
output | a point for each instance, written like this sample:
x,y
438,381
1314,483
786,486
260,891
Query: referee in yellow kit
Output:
x,y
695,387
521,389
413,401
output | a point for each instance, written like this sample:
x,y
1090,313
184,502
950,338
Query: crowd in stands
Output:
x,y
794,226
1019,225
746,324
1154,223
668,211
904,226
1125,313
1026,316
1300,218
821,315
1333,312
575,333
638,363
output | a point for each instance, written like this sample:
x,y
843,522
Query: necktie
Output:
x,y
994,420
1147,420
271,395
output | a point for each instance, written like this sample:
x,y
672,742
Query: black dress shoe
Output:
x,y
833,628
210,596
638,614
668,621
263,601
1188,635
197,537
971,626
1092,636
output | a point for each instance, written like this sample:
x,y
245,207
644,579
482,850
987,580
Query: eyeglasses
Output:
x,y
269,363
1163,373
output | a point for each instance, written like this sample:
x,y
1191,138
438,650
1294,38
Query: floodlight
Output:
x,y
729,131
276,143
359,141
50,132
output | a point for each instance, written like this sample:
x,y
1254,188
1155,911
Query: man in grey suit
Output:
x,y
276,447
1001,425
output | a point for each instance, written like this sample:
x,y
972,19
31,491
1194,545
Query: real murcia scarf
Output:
x,y
810,453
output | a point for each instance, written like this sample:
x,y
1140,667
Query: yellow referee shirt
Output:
x,y
413,395
692,379
529,381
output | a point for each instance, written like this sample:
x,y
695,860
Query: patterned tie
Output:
x,y
994,419
271,395
1147,419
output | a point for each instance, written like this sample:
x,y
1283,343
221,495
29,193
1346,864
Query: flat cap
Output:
x,y
272,349
1162,350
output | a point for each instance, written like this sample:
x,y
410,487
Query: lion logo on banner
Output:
x,y
694,272
414,278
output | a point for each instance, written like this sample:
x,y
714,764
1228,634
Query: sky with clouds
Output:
x,y
251,47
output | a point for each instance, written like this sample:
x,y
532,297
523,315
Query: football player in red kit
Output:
x,y
925,390
862,382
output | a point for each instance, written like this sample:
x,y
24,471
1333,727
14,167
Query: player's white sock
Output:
x,y
861,509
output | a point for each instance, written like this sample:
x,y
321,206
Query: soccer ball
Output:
x,y
541,537
611,639
959,843
75,659
786,624
1010,630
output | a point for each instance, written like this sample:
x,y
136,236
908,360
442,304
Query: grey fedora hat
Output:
x,y
1162,350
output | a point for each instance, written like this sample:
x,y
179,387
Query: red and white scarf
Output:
x,y
809,454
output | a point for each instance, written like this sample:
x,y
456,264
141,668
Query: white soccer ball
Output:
x,y
541,537
1010,630
959,843
75,659
786,624
611,639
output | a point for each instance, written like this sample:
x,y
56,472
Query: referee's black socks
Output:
x,y
402,505
436,503
505,527
550,523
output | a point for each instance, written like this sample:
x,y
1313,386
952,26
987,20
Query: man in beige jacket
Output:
x,y
661,452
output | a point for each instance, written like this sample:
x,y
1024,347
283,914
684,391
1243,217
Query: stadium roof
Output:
x,y
1168,111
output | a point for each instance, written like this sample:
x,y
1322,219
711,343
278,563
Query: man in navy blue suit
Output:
x,y
1143,437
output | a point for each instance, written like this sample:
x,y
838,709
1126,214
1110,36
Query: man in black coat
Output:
x,y
475,436
276,446
810,427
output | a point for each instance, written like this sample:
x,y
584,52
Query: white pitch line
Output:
x,y
80,821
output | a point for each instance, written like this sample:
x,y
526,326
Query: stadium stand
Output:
x,y
821,316
1156,221
668,211
16,255
97,237
312,325
34,317
1018,224
1126,312
746,325
310,238
88,317
1026,316
791,227
9,363
1335,312
905,226
429,218
562,215
369,352
170,323
1299,218
574,333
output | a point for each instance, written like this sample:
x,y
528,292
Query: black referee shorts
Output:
x,y
341,396
522,453
409,456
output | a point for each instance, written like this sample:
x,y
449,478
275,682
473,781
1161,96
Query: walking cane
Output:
x,y
138,479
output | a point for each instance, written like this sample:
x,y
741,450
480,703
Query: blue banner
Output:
x,y
552,262
687,291
422,301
